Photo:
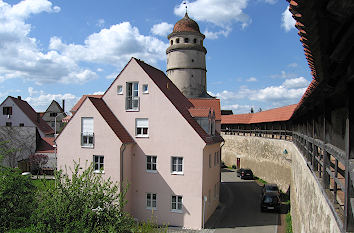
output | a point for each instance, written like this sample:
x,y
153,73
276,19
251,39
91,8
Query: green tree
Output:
x,y
17,195
84,202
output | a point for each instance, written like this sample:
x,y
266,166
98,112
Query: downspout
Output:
x,y
122,149
223,143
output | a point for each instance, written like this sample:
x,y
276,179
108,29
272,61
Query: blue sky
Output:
x,y
64,49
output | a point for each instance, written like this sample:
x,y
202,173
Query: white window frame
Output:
x,y
177,204
177,165
133,96
120,89
147,89
99,163
150,201
141,134
86,136
151,163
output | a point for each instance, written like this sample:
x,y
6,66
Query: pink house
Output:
x,y
144,131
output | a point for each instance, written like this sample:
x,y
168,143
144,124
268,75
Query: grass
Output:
x,y
289,228
260,180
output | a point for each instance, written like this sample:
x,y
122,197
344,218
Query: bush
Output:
x,y
83,203
233,166
17,195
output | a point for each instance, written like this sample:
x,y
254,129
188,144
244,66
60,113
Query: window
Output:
x,y
8,124
186,40
7,110
151,201
87,136
171,42
52,124
145,89
21,124
177,40
98,162
195,41
53,114
151,162
120,90
209,160
177,165
176,203
142,127
132,98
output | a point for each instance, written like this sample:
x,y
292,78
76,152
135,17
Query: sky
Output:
x,y
63,49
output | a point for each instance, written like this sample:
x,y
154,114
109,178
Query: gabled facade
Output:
x,y
146,135
54,115
17,112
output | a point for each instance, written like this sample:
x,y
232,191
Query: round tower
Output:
x,y
186,66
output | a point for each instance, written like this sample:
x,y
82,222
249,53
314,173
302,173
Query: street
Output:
x,y
239,210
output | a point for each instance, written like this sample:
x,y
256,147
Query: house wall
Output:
x,y
106,143
211,177
169,135
51,120
17,116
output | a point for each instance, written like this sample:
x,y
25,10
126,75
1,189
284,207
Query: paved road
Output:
x,y
240,208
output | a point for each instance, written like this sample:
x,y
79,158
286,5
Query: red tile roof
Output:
x,y
186,24
208,103
181,103
45,145
272,115
66,119
111,120
32,115
81,100
199,112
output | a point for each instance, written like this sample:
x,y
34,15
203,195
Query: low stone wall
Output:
x,y
310,211
264,156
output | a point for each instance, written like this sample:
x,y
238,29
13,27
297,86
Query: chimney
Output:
x,y
63,105
38,117
19,97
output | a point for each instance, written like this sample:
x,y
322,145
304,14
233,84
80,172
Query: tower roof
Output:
x,y
186,24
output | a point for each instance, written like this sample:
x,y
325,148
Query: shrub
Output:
x,y
83,203
16,199
233,166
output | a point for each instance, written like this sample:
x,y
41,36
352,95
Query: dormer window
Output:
x,y
132,97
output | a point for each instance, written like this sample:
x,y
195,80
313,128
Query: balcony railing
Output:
x,y
275,134
132,103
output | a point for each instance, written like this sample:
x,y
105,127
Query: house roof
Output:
x,y
181,103
81,100
55,103
111,120
199,112
32,115
208,103
66,119
272,115
45,145
186,24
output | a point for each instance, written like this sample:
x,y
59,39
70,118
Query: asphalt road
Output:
x,y
240,208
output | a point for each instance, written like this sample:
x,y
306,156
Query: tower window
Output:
x,y
186,40
192,60
171,42
195,41
177,40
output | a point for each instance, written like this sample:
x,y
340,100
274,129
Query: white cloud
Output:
x,y
237,108
222,13
252,79
299,82
21,56
215,35
98,93
115,45
293,65
284,75
162,29
271,1
287,21
41,102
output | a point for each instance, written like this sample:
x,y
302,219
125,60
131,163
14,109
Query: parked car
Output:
x,y
270,202
245,173
270,188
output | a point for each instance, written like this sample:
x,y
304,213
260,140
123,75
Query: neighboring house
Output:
x,y
213,104
46,146
77,106
144,131
17,112
54,113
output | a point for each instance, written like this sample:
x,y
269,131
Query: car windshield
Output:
x,y
269,199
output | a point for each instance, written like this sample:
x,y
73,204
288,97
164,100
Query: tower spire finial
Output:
x,y
185,4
